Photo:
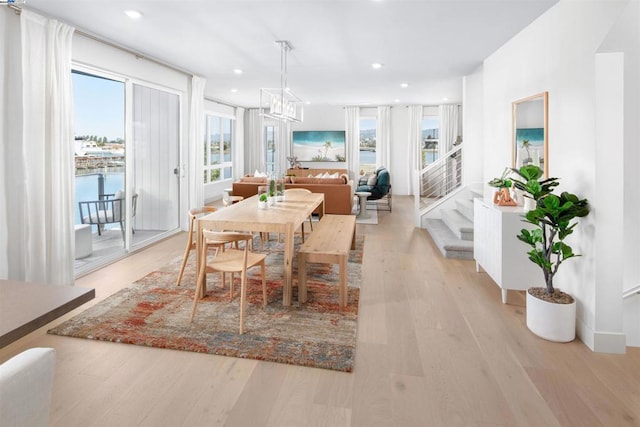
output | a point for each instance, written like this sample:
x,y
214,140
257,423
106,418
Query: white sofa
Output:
x,y
26,382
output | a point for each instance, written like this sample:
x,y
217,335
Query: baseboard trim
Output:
x,y
610,342
600,341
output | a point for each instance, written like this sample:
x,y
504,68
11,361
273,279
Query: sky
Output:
x,y
98,106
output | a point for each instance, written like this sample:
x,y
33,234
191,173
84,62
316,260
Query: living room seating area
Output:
x,y
338,190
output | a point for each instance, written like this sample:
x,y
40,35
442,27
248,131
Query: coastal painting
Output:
x,y
530,147
319,146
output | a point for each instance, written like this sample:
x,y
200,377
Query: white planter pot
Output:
x,y
272,201
553,322
529,204
262,205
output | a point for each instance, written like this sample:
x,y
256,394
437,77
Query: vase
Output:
x,y
551,321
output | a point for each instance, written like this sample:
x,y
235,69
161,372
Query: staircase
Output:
x,y
453,231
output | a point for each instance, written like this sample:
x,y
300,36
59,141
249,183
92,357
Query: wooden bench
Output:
x,y
329,243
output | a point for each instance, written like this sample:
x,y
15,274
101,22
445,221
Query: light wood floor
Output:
x,y
435,348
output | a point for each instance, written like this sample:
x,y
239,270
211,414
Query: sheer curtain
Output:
x,y
10,130
238,144
37,232
283,147
415,139
254,143
352,125
449,122
383,137
196,142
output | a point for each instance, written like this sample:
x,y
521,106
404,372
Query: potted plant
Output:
x,y
529,181
271,190
502,197
262,201
280,190
551,313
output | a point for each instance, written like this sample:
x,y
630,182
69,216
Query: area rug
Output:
x,y
154,312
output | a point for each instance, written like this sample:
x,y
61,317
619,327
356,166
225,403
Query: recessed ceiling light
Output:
x,y
445,99
133,14
237,71
376,65
234,90
404,85
396,100
307,102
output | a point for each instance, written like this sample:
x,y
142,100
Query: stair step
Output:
x,y
465,207
461,227
449,244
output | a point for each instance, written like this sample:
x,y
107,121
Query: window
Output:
x,y
270,143
217,149
430,139
367,144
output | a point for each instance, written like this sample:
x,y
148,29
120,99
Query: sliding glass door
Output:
x,y
126,164
155,159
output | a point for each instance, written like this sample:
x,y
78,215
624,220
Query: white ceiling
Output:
x,y
428,44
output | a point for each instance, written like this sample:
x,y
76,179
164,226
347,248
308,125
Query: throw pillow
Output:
x,y
259,174
371,182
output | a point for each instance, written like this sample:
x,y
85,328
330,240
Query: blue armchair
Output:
x,y
379,185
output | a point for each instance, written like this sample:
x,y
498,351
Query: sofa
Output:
x,y
338,192
379,185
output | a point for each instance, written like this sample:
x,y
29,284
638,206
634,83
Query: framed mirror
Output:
x,y
530,132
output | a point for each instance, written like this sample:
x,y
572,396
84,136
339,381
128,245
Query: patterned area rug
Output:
x,y
154,312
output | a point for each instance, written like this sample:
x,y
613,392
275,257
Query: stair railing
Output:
x,y
440,178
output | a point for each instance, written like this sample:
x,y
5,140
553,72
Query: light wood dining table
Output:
x,y
283,217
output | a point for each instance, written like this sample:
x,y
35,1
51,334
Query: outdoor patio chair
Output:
x,y
109,210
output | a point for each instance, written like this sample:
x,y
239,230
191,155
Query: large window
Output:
x,y
367,144
430,139
217,149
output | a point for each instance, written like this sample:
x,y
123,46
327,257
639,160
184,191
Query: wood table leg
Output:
x,y
288,266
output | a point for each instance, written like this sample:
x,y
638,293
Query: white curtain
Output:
x,y
449,124
36,225
415,141
254,143
283,147
196,142
238,145
10,134
352,125
383,137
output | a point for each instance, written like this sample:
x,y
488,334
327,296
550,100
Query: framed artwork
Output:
x,y
319,146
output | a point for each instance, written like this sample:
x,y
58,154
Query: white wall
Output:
x,y
473,127
556,54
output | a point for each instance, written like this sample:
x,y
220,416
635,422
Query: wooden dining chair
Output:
x,y
231,261
299,191
191,241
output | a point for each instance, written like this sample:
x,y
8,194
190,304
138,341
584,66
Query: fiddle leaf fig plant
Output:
x,y
554,218
529,181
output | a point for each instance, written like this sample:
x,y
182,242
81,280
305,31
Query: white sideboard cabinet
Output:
x,y
498,251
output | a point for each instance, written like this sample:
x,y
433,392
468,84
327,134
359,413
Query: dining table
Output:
x,y
282,217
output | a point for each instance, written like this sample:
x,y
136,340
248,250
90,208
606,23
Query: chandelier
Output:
x,y
280,103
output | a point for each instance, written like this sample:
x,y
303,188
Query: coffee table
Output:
x,y
363,204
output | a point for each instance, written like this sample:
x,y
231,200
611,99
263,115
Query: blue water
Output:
x,y
367,157
87,188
